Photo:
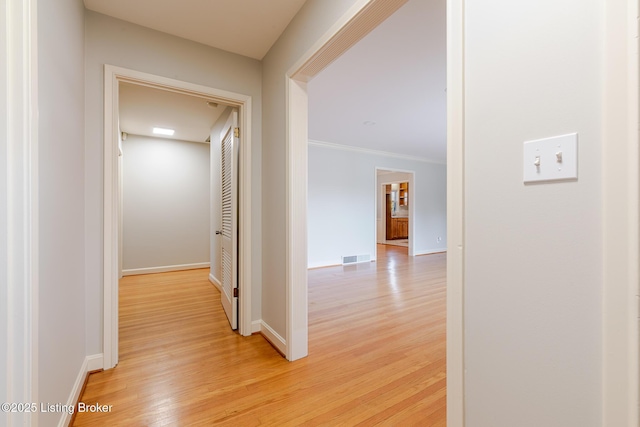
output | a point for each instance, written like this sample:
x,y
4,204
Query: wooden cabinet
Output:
x,y
399,228
403,194
397,200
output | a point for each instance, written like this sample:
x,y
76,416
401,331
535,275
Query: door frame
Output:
x,y
112,77
621,216
19,209
412,198
361,18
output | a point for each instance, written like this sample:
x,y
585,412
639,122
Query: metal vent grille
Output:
x,y
355,259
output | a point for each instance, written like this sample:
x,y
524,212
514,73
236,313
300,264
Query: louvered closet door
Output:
x,y
229,230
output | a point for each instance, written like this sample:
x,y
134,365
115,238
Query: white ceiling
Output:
x,y
395,77
143,108
246,27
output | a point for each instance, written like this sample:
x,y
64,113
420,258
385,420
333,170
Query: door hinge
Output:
x,y
236,132
235,292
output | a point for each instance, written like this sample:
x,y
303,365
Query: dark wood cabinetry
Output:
x,y
399,228
403,194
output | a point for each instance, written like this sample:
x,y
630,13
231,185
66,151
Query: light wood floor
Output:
x,y
376,344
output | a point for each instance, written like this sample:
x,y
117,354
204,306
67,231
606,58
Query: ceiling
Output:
x,y
143,108
387,93
218,23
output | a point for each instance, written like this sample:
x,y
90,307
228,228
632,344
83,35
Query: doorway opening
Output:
x,y
395,201
349,29
114,76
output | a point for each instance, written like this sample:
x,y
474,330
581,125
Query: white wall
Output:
x,y
533,259
166,203
311,22
115,42
61,345
342,209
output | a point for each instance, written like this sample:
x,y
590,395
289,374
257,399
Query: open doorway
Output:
x,y
394,208
348,29
167,185
114,77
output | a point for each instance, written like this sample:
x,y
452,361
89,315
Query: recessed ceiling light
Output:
x,y
368,123
163,131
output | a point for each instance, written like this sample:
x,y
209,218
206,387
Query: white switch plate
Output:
x,y
546,153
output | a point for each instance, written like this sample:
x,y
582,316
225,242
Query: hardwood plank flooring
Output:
x,y
376,353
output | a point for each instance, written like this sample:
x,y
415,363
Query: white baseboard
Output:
x,y
336,263
324,264
91,363
215,282
430,251
256,326
272,336
95,362
164,269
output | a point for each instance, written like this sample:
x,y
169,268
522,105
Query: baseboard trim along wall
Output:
x,y
94,362
324,264
335,263
256,326
164,269
215,282
431,251
272,336
90,364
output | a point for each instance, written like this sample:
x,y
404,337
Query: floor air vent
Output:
x,y
355,259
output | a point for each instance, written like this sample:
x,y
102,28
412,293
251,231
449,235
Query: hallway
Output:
x,y
377,352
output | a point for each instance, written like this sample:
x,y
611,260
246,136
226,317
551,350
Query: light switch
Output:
x,y
551,159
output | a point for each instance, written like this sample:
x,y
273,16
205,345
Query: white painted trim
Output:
x,y
256,326
362,17
245,233
65,416
90,363
621,216
112,77
20,134
273,337
322,264
343,147
164,268
431,251
95,362
332,263
215,282
296,211
455,212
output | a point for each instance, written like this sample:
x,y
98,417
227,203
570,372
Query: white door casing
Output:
x,y
361,18
112,78
229,144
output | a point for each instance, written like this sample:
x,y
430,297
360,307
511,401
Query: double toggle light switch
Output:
x,y
551,159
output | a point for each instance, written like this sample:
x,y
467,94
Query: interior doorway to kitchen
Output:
x,y
395,191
